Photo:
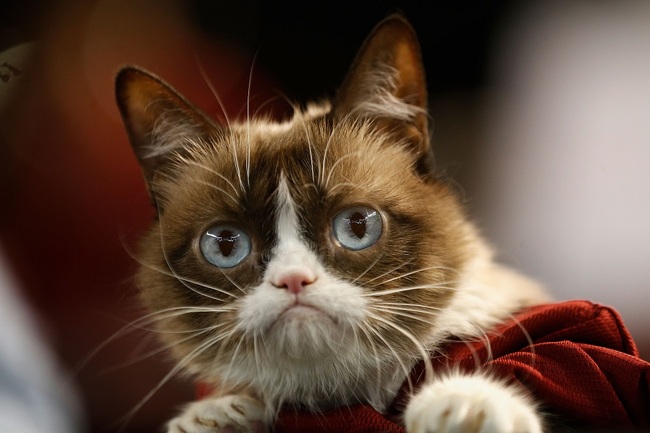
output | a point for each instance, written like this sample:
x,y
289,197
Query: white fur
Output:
x,y
317,342
378,97
231,413
323,362
471,403
169,134
487,294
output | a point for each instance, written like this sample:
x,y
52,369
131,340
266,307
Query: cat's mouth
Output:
x,y
301,310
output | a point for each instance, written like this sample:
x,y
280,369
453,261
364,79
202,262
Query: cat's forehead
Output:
x,y
326,165
315,144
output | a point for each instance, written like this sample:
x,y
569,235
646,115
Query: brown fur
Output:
x,y
354,153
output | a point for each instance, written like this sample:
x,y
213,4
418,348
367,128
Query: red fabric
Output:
x,y
582,366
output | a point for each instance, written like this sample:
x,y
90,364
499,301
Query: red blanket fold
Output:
x,y
582,365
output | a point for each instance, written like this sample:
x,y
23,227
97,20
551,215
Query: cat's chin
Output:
x,y
303,314
305,332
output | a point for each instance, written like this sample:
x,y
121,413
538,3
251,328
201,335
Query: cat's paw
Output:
x,y
471,404
229,414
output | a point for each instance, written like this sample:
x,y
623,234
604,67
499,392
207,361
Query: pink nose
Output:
x,y
294,281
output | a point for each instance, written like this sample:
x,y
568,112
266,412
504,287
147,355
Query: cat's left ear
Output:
x,y
387,83
158,120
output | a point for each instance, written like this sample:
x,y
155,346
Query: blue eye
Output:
x,y
225,246
357,227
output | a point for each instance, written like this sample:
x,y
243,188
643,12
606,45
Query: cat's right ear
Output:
x,y
158,120
387,83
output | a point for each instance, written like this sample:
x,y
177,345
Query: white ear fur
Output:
x,y
377,97
170,134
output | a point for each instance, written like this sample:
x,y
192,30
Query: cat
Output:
x,y
313,262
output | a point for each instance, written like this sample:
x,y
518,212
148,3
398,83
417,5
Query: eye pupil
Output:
x,y
226,240
358,224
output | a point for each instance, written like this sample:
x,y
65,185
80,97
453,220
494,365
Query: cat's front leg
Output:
x,y
471,404
227,414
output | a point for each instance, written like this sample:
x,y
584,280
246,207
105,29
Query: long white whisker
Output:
x,y
207,80
183,280
213,171
337,162
376,357
325,152
330,191
163,348
140,324
186,281
372,265
408,306
428,268
401,265
248,120
419,346
233,147
442,286
226,376
406,369
187,359
402,313
529,339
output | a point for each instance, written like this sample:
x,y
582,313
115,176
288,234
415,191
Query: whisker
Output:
x,y
184,280
389,271
224,192
310,144
372,265
160,349
180,365
373,346
406,369
330,191
213,171
140,324
325,152
233,147
310,185
529,339
400,313
405,289
263,105
428,268
207,80
228,373
337,162
419,346
248,120
407,306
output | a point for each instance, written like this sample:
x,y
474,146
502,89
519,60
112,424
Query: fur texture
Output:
x,y
304,319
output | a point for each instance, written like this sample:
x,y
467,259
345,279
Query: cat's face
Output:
x,y
317,241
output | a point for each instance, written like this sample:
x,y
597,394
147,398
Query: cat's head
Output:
x,y
317,241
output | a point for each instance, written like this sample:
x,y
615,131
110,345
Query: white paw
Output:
x,y
229,414
471,404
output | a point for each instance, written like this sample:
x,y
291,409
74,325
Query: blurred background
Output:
x,y
542,120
